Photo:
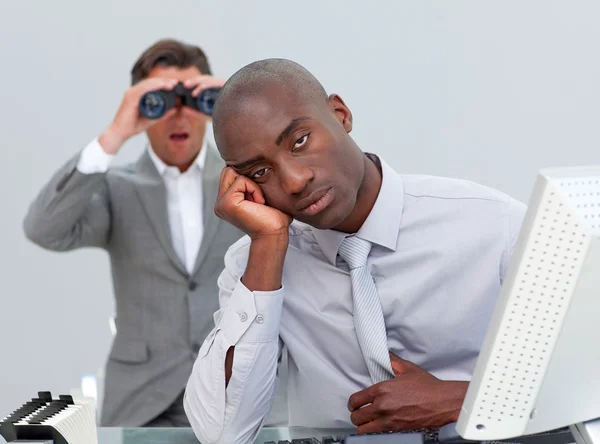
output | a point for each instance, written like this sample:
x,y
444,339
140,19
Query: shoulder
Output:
x,y
126,170
450,193
438,187
474,209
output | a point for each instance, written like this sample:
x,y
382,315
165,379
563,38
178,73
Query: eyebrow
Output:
x,y
288,129
245,163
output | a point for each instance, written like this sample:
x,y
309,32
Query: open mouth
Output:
x,y
179,137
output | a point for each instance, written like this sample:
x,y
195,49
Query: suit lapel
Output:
x,y
210,188
152,193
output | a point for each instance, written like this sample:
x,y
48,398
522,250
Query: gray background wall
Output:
x,y
487,91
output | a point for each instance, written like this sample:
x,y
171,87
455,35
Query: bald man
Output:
x,y
381,285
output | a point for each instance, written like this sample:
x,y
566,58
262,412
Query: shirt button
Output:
x,y
243,317
260,319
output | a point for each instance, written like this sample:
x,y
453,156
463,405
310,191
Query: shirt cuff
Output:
x,y
94,159
252,316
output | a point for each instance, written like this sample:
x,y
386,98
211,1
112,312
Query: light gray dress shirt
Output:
x,y
439,256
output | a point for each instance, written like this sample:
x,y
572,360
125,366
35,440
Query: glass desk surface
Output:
x,y
185,435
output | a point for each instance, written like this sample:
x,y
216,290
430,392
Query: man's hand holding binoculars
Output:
x,y
154,99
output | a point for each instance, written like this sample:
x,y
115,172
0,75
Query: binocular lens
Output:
x,y
206,100
152,105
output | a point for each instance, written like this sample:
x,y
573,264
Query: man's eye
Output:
x,y
301,141
260,173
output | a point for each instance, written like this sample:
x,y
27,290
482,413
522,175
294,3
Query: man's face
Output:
x,y
299,153
178,139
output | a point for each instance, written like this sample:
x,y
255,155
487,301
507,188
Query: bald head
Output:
x,y
254,80
275,125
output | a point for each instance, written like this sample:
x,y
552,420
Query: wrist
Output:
x,y
111,140
275,242
453,393
279,237
264,271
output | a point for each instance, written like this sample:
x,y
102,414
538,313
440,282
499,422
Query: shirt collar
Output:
x,y
381,227
161,167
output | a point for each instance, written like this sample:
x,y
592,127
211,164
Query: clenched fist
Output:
x,y
241,202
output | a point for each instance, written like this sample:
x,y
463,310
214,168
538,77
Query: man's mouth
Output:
x,y
179,136
316,202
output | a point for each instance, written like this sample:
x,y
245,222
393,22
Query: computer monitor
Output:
x,y
539,366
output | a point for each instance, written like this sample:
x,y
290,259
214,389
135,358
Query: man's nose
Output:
x,y
295,177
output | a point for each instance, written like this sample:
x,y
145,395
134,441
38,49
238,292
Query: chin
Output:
x,y
326,220
181,156
180,150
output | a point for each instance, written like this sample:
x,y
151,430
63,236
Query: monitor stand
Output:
x,y
587,432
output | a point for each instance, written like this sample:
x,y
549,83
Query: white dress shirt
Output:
x,y
439,256
184,197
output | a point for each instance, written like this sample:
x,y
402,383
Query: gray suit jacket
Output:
x,y
163,313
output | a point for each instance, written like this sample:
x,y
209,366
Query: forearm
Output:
x,y
231,387
265,263
234,413
111,140
263,273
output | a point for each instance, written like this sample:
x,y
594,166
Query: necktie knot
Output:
x,y
355,251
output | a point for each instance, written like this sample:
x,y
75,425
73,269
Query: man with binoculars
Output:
x,y
155,218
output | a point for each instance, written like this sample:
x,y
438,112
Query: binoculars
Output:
x,y
154,104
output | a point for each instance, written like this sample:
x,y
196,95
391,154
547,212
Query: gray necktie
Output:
x,y
368,316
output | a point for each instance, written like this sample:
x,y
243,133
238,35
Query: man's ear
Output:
x,y
341,111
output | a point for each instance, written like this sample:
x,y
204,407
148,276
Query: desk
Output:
x,y
110,435
186,435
